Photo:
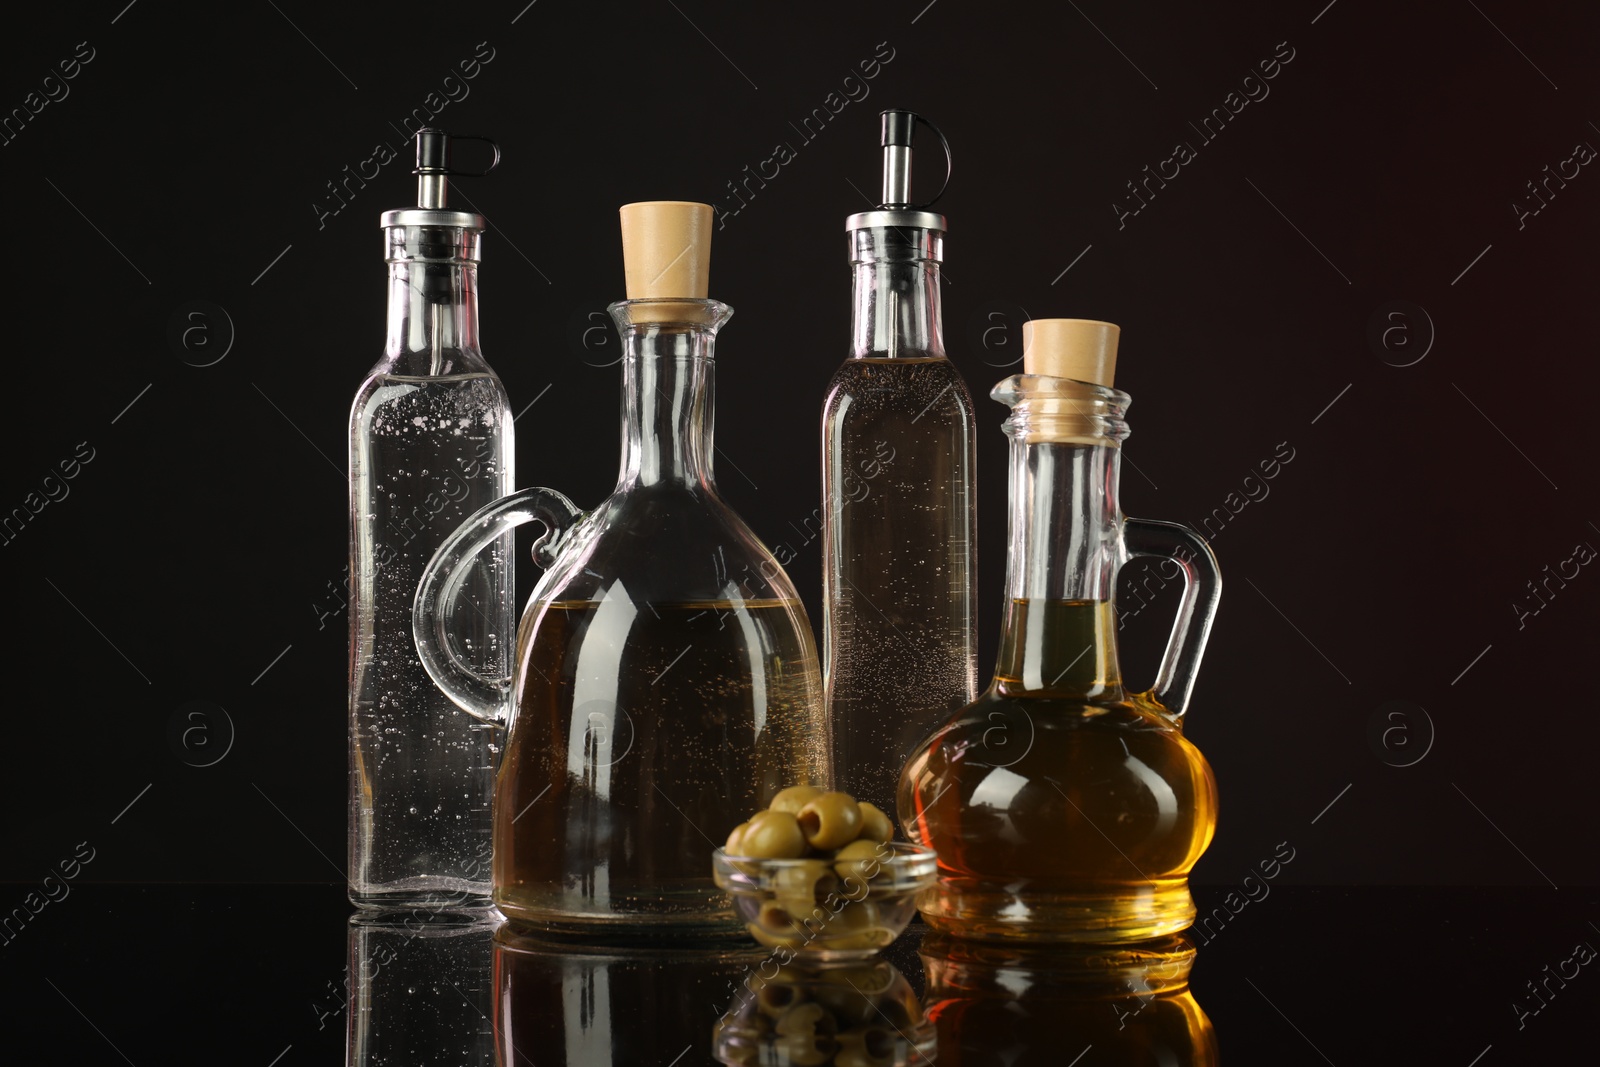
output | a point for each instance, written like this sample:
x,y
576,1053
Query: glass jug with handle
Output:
x,y
666,682
1065,806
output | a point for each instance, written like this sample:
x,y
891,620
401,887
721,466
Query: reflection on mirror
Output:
x,y
848,1014
421,991
1003,1004
557,1004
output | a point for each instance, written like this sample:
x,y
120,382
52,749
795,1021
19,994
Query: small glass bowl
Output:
x,y
827,910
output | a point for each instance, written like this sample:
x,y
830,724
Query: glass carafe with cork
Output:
x,y
1065,806
666,680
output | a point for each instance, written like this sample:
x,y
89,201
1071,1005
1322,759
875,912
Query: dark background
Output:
x,y
197,554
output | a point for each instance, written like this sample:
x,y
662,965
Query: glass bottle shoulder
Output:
x,y
429,397
666,544
421,364
872,388
1061,713
870,373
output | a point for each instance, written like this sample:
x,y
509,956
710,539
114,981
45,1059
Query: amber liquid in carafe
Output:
x,y
616,786
1060,807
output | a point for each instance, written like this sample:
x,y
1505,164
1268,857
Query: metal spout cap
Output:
x,y
895,134
433,171
666,249
1084,350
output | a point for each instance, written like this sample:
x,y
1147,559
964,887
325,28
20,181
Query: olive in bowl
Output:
x,y
817,874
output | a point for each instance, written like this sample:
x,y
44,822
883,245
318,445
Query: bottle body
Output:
x,y
899,520
1060,815
667,683
899,578
1063,806
430,443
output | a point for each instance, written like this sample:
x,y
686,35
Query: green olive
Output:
x,y
868,939
809,1018
849,1007
775,998
732,847
794,798
864,979
857,926
807,880
861,860
771,940
806,1050
830,820
866,1046
778,921
806,1034
737,1052
773,835
875,825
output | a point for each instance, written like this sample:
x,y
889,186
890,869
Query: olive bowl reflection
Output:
x,y
860,1013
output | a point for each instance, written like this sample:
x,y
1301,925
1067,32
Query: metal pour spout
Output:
x,y
433,164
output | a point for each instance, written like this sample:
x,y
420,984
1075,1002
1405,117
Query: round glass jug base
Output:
x,y
1134,912
663,920
430,891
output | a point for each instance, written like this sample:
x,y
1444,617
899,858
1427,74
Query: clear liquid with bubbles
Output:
x,y
425,454
899,526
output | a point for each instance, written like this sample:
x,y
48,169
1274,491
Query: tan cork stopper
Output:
x,y
666,250
1084,350
1081,350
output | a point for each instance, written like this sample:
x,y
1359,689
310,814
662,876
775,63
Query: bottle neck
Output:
x,y
668,392
433,301
897,313
1065,548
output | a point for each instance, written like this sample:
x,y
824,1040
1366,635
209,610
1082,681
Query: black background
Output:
x,y
197,553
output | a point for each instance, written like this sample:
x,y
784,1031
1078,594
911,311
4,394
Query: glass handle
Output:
x,y
1202,589
439,592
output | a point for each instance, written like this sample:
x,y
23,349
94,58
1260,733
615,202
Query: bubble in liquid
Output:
x,y
413,809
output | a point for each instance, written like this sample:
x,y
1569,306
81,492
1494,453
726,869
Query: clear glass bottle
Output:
x,y
1063,805
430,443
900,640
666,679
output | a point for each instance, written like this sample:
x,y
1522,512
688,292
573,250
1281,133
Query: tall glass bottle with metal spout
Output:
x,y
1064,805
430,443
899,511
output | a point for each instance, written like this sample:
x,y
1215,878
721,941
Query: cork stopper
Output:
x,y
666,250
1084,350
1078,350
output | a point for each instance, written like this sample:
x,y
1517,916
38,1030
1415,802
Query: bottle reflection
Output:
x,y
848,1014
559,1004
1129,1003
422,992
